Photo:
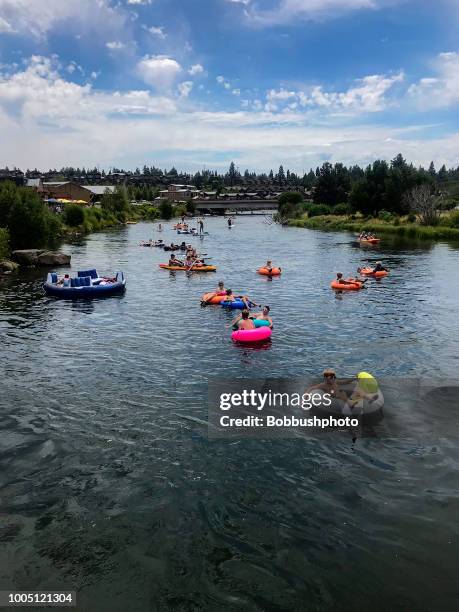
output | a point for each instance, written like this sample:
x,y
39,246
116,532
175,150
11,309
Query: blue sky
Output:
x,y
200,83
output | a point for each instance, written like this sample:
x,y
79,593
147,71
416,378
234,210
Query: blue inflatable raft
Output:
x,y
87,284
236,305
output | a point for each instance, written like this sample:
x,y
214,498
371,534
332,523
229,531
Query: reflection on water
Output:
x,y
110,486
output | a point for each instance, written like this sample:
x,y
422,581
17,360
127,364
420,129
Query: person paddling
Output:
x,y
175,262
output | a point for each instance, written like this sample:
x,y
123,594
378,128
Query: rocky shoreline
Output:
x,y
33,258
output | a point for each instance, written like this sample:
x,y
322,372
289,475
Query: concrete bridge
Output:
x,y
235,205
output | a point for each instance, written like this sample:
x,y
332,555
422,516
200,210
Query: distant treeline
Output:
x,y
334,181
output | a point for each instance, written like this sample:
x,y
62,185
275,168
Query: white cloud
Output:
x,y
157,31
285,11
236,92
185,88
159,71
281,94
40,110
38,17
40,92
115,45
139,2
441,90
195,69
367,96
5,26
226,84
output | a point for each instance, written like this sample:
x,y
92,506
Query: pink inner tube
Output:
x,y
251,335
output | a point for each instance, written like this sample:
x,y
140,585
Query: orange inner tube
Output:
x,y
370,240
211,298
369,272
354,286
269,271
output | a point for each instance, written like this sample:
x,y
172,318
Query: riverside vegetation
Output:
x,y
27,222
393,198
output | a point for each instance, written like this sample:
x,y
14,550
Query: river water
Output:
x,y
111,487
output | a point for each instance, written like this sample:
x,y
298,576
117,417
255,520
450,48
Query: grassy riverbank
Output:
x,y
404,228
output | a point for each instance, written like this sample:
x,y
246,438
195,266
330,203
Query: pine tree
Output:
x,y
442,174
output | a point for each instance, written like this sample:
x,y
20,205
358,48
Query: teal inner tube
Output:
x,y
261,322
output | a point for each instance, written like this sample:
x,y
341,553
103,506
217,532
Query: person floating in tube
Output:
x,y
366,390
331,385
349,281
379,267
269,266
245,322
264,315
230,297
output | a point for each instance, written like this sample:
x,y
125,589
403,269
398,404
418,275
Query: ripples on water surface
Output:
x,y
110,486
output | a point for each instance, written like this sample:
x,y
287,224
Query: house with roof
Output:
x,y
70,190
178,193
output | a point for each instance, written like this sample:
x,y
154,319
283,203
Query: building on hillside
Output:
x,y
179,193
72,191
36,184
98,191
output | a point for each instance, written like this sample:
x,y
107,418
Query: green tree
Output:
x,y
233,174
442,174
116,203
9,195
290,204
166,210
309,180
4,242
27,222
280,176
73,215
332,184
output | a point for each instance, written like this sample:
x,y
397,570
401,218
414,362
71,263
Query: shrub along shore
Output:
x,y
403,226
27,222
